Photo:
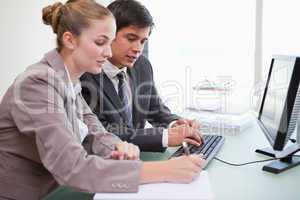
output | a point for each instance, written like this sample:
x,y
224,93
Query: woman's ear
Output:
x,y
69,40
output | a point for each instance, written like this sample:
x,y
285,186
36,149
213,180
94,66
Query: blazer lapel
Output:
x,y
55,61
133,84
72,115
109,92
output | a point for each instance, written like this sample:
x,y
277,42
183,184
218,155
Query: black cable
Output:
x,y
248,163
242,164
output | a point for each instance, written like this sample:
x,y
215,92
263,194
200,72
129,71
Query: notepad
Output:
x,y
199,189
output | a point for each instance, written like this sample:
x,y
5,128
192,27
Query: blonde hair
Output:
x,y
73,16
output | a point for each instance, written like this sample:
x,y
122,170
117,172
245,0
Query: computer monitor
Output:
x,y
279,112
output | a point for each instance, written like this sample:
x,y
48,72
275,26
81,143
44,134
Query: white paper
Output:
x,y
199,189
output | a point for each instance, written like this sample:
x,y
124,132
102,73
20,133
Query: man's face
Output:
x,y
128,45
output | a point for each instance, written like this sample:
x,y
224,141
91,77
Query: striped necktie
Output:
x,y
123,92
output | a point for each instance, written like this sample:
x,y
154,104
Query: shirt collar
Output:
x,y
73,87
111,70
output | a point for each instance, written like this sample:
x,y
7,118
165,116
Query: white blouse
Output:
x,y
75,89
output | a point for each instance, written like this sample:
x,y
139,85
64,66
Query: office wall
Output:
x,y
24,38
280,30
199,40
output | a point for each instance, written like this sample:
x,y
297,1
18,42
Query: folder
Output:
x,y
199,189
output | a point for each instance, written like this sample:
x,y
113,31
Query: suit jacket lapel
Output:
x,y
133,83
109,92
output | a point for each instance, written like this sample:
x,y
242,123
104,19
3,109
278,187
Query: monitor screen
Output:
x,y
275,97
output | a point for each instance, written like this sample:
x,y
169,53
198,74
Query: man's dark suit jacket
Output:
x,y
103,99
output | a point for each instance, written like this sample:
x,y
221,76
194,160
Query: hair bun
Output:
x,y
51,15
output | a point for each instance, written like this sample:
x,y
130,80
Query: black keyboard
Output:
x,y
210,147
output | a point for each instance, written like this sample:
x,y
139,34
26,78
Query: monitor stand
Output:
x,y
266,151
286,157
282,164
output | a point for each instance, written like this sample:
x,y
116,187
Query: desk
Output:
x,y
246,182
66,193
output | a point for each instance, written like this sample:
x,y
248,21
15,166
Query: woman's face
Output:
x,y
93,46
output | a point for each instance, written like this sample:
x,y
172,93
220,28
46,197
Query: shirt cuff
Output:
x,y
165,138
172,123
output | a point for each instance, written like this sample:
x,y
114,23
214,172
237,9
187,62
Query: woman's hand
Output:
x,y
126,151
183,169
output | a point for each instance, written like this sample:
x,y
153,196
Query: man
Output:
x,y
124,96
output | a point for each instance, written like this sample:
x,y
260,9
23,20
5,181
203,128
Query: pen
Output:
x,y
185,148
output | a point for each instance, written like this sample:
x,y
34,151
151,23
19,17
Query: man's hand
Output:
x,y
180,133
190,139
191,123
125,151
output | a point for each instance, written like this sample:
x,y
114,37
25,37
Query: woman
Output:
x,y
48,135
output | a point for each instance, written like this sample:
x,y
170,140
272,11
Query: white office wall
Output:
x,y
281,30
24,38
195,40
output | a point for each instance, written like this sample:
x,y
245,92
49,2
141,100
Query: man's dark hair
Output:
x,y
130,12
